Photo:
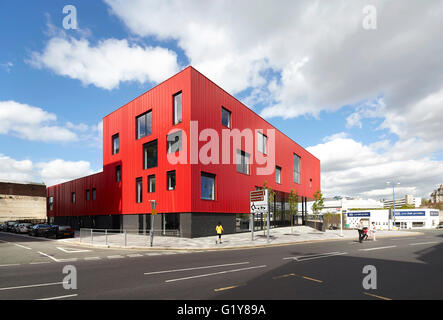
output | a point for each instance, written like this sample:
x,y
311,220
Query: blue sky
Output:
x,y
343,94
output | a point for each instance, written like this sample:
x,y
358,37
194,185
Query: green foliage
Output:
x,y
318,204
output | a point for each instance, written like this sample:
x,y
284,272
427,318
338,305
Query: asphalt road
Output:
x,y
406,268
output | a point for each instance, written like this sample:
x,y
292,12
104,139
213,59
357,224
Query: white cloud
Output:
x,y
349,167
13,170
106,64
58,171
31,123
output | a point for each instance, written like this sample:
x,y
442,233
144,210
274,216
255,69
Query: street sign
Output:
x,y
259,201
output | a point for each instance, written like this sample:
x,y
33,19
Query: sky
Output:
x,y
359,84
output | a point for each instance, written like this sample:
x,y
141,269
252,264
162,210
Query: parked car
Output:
x,y
24,227
15,230
2,227
10,226
39,230
440,225
60,232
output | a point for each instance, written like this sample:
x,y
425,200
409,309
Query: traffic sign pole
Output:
x,y
153,213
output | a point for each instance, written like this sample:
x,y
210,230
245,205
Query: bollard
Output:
x,y
126,239
106,236
92,237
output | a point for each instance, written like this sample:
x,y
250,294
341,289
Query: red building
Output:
x,y
167,145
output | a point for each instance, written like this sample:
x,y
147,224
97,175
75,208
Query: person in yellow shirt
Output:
x,y
219,230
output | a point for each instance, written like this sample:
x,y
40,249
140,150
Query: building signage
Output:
x,y
434,213
409,213
359,214
259,201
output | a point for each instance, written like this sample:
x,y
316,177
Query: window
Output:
x,y
262,143
278,174
296,168
115,144
139,190
171,180
174,141
94,194
310,183
144,125
242,162
150,155
118,173
207,186
226,118
178,108
151,183
87,195
73,197
51,203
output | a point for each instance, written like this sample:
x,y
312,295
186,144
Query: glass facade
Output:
x,y
144,125
150,155
178,108
207,185
226,118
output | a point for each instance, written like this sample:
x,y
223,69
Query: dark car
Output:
x,y
2,227
39,230
60,231
10,226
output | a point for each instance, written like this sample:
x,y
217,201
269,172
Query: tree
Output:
x,y
293,207
318,204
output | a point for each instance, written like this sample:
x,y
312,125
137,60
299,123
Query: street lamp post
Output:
x,y
393,197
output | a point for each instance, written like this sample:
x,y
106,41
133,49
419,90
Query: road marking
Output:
x,y
33,286
420,243
284,276
92,258
135,255
39,262
60,297
68,260
378,248
375,296
214,274
19,245
50,257
197,268
9,265
168,253
315,256
312,279
71,250
226,288
153,254
115,257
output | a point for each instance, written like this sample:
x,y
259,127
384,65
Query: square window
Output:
x,y
115,144
242,162
171,180
207,187
144,125
178,108
150,155
174,141
226,118
151,183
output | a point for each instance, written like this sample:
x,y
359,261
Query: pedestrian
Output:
x,y
219,230
360,232
373,230
365,233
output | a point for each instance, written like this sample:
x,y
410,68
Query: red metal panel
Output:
x,y
202,101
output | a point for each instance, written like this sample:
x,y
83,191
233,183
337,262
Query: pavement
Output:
x,y
278,236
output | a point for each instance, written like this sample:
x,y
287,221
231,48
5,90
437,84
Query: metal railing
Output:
x,y
124,238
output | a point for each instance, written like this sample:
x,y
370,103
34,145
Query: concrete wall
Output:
x,y
19,207
203,224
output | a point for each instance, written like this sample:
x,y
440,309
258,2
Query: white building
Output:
x,y
403,219
343,204
408,199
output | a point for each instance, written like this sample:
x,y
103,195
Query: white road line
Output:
x,y
378,248
197,268
135,255
153,254
168,253
60,297
19,245
39,262
315,256
50,257
420,243
9,265
92,258
68,260
115,257
71,250
216,273
33,286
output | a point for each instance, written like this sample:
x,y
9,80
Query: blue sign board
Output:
x,y
409,213
359,214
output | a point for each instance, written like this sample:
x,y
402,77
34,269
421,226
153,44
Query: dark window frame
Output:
x,y
94,194
73,197
146,165
243,155
115,137
296,174
264,145
139,195
169,147
88,195
174,122
149,183
167,180
118,173
230,117
278,169
137,136
211,176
